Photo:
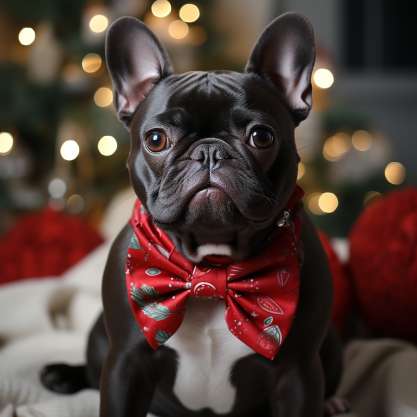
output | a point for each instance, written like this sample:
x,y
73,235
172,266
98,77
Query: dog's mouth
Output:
x,y
215,215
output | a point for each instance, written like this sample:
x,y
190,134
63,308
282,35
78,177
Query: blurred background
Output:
x,y
62,148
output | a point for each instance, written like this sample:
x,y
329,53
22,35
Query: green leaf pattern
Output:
x,y
162,336
142,296
134,243
156,311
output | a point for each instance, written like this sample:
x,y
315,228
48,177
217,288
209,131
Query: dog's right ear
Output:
x,y
136,62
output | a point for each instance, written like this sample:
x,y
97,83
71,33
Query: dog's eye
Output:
x,y
156,140
261,137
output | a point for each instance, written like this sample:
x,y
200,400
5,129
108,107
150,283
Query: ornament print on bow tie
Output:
x,y
260,294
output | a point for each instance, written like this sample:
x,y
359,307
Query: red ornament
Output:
x,y
45,244
383,261
342,288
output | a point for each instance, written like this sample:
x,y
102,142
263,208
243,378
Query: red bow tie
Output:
x,y
260,293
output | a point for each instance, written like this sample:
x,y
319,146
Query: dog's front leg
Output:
x,y
127,384
299,390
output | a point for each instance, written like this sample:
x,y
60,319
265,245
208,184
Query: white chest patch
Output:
x,y
206,353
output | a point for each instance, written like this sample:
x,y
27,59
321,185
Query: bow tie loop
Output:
x,y
209,282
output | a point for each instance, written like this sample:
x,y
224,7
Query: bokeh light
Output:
x,y
6,143
178,29
103,97
313,203
336,146
91,63
75,203
161,8
99,23
69,150
189,13
107,145
328,202
57,188
361,140
27,36
395,173
323,78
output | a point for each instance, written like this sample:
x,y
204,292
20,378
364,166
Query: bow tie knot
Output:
x,y
208,282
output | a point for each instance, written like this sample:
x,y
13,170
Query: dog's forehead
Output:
x,y
189,89
213,99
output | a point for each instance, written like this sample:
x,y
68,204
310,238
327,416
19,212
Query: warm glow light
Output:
x,y
323,78
91,63
6,143
313,203
57,188
103,97
395,173
99,23
301,170
336,146
178,29
107,145
189,13
27,36
328,202
69,150
361,140
371,196
75,203
161,8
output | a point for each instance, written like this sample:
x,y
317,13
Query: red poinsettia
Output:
x,y
45,244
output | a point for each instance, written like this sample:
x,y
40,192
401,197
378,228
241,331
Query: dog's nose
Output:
x,y
209,154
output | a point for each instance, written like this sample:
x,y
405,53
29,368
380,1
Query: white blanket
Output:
x,y
44,321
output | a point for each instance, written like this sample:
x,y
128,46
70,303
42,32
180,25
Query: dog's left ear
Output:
x,y
285,54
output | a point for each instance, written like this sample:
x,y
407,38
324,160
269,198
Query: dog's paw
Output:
x,y
335,406
64,379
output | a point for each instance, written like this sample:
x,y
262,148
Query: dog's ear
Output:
x,y
285,54
136,62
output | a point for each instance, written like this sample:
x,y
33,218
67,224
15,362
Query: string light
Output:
x,y
103,97
161,8
361,140
178,29
336,146
323,78
395,173
107,145
99,23
27,36
57,188
328,202
91,63
189,13
69,150
6,143
301,171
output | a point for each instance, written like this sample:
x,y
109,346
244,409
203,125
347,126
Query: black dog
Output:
x,y
213,161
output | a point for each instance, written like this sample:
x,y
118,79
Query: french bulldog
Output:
x,y
214,163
